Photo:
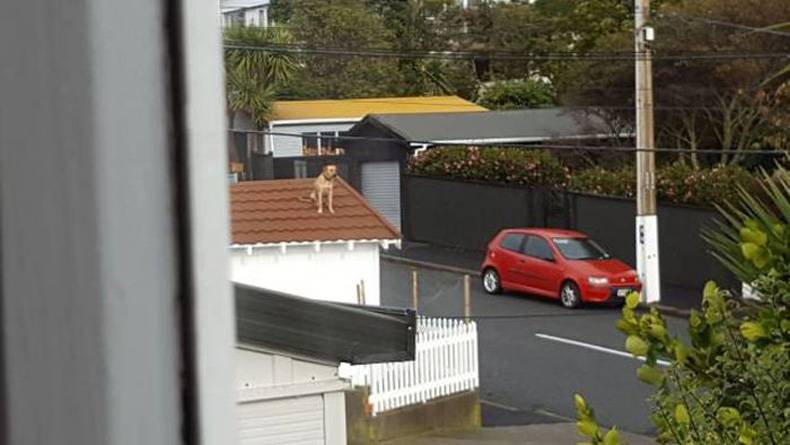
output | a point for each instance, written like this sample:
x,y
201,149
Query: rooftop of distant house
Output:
x,y
528,125
358,108
279,211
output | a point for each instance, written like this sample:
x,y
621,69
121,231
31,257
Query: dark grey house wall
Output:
x,y
466,215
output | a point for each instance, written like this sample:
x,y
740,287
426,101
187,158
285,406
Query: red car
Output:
x,y
556,263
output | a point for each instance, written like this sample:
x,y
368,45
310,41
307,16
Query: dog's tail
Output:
x,y
306,198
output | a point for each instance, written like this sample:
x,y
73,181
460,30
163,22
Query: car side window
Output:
x,y
538,247
512,242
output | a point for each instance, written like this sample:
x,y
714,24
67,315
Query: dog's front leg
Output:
x,y
331,195
320,201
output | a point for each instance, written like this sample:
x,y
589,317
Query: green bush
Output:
x,y
494,165
516,94
675,183
731,383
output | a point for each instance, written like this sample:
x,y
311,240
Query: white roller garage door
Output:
x,y
298,420
381,187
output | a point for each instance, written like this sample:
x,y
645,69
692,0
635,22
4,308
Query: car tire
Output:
x,y
491,281
570,295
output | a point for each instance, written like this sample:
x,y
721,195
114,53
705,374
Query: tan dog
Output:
x,y
324,185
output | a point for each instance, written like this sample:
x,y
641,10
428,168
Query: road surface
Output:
x,y
534,354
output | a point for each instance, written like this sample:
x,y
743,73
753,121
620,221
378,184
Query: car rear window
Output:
x,y
512,242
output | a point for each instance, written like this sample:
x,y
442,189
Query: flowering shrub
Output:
x,y
501,166
675,183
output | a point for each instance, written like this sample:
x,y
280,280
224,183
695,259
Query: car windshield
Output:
x,y
580,249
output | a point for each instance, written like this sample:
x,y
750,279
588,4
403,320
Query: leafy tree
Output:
x,y
341,24
252,78
515,94
707,103
731,384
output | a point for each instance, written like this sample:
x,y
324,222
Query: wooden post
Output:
x,y
362,290
467,303
414,290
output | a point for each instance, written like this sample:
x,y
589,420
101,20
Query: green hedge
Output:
x,y
521,167
676,183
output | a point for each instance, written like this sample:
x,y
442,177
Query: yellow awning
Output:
x,y
358,108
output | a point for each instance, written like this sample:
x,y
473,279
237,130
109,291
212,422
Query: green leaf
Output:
x,y
657,331
635,345
650,375
632,300
611,437
753,331
728,416
681,353
757,237
750,250
581,405
587,428
626,327
682,414
710,290
747,435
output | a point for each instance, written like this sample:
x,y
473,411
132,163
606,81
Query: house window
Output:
x,y
310,144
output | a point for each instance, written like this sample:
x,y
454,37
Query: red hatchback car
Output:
x,y
556,263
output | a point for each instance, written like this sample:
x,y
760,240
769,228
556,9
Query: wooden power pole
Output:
x,y
646,215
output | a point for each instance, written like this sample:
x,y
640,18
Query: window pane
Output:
x,y
538,248
580,249
512,242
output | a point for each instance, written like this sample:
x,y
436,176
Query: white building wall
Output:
x,y
292,146
330,274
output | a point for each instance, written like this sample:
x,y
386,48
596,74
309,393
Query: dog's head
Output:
x,y
329,171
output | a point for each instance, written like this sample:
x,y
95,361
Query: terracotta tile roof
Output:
x,y
272,212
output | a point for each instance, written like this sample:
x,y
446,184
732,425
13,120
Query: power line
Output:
x,y
558,147
725,24
460,55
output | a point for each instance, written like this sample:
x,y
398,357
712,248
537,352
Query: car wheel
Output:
x,y
491,282
570,295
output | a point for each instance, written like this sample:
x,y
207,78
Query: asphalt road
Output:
x,y
528,370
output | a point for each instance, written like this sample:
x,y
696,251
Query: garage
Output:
x,y
298,420
381,188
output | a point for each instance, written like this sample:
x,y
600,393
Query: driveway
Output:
x,y
534,354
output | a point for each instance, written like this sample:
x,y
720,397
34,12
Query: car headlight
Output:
x,y
598,281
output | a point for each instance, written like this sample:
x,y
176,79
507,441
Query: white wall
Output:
x,y
256,369
331,274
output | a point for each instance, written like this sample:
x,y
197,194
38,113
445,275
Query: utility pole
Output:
x,y
646,217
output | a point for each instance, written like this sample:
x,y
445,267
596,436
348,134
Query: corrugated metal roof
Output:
x,y
275,212
516,125
358,108
323,330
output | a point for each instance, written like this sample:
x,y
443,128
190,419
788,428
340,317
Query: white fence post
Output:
x,y
445,363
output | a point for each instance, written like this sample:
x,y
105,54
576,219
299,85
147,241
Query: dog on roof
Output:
x,y
323,185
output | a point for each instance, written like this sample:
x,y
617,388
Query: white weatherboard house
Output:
x,y
288,351
308,127
244,12
280,242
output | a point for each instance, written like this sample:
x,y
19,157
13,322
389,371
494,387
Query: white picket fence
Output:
x,y
445,363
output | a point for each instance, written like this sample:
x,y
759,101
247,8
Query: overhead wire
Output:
x,y
466,55
526,145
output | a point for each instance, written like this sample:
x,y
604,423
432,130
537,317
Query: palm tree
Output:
x,y
252,75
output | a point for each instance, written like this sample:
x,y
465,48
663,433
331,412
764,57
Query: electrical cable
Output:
x,y
519,146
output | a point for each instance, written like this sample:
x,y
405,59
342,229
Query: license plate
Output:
x,y
623,292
